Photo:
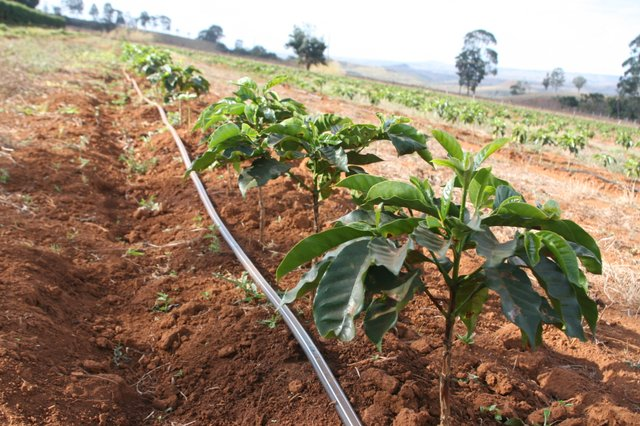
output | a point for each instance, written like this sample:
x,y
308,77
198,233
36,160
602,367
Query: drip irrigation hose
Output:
x,y
332,387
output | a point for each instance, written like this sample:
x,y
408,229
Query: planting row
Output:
x,y
369,265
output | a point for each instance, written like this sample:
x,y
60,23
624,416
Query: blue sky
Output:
x,y
586,36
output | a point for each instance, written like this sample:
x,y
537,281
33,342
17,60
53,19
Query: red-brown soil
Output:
x,y
81,266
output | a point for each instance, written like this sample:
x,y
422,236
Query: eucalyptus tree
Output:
x,y
476,60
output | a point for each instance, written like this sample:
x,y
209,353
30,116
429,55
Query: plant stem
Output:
x,y
445,373
316,210
261,215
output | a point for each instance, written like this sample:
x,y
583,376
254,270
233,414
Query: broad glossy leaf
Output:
x,y
331,123
358,135
360,182
381,316
336,156
279,79
396,227
451,163
491,249
589,308
222,133
505,193
562,294
432,241
470,299
317,244
445,200
202,162
385,253
564,255
570,231
522,210
399,194
308,282
358,159
406,139
260,172
487,150
449,143
477,187
520,303
340,294
532,246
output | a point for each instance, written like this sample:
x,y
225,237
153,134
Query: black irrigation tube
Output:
x,y
326,377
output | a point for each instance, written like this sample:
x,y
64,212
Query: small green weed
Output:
x,y
134,166
174,118
68,109
163,303
498,417
133,253
149,203
244,283
272,322
55,247
83,162
214,241
120,355
4,176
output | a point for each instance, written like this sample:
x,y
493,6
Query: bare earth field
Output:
x,y
116,310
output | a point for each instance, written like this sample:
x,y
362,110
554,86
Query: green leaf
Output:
x,y
360,182
260,172
317,244
505,193
570,231
202,162
308,282
520,303
470,299
399,194
222,133
396,227
562,294
449,143
385,253
522,210
331,123
445,200
336,156
487,150
432,241
564,255
491,249
279,79
358,159
381,316
477,187
532,246
451,163
358,135
340,294
406,139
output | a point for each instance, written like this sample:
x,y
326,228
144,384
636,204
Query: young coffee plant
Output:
x,y
374,258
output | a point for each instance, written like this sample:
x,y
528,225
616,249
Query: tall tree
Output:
x,y
108,12
308,48
143,19
165,22
74,6
556,78
546,81
212,34
477,59
579,82
629,83
94,12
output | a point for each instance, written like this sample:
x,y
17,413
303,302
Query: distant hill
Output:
x,y
443,76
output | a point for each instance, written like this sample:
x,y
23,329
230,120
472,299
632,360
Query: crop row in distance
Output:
x,y
522,125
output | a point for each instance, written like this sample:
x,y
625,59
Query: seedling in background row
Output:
x,y
214,240
374,257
